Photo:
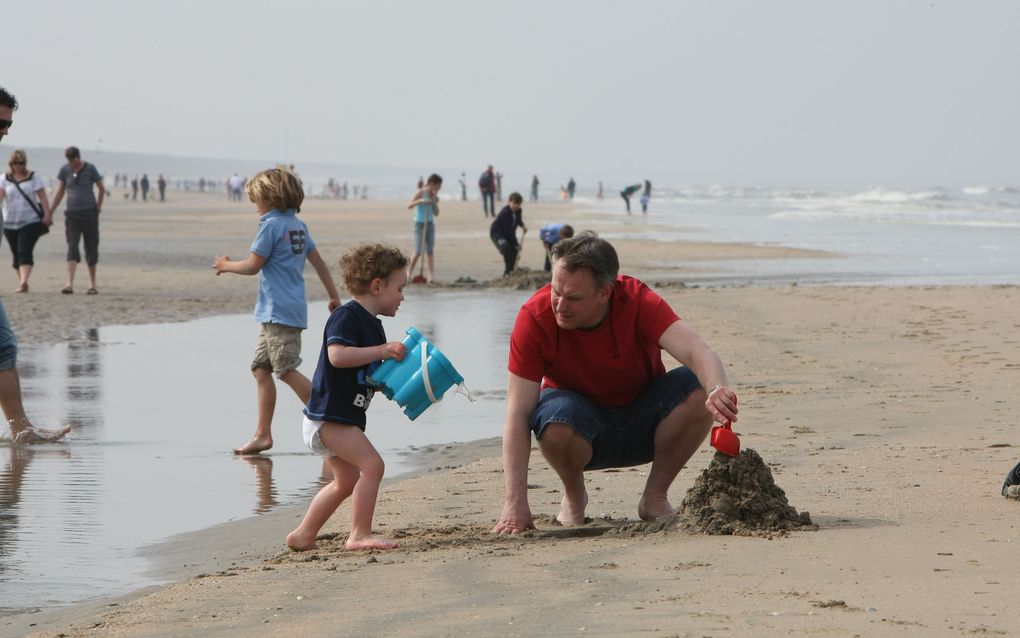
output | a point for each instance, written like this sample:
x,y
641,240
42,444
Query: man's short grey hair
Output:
x,y
587,250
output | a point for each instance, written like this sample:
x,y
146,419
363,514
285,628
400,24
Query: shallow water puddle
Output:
x,y
156,410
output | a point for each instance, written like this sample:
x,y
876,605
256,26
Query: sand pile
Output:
x,y
522,279
739,496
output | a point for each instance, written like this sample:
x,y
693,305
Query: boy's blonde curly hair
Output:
x,y
277,188
365,262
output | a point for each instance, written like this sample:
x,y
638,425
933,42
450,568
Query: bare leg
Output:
x,y
329,498
677,438
568,453
71,267
410,269
299,383
429,267
92,275
24,271
22,430
263,439
354,448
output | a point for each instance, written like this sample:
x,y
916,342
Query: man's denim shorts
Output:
x,y
619,437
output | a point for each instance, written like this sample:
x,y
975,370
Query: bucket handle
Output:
x,y
425,371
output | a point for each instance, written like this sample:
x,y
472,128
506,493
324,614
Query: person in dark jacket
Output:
x,y
503,232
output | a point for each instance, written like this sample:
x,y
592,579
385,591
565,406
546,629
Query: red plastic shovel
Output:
x,y
725,440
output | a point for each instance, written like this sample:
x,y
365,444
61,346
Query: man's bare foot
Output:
x,y
31,435
650,508
21,288
300,543
369,542
572,513
255,446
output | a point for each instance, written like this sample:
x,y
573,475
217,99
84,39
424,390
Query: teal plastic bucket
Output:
x,y
420,380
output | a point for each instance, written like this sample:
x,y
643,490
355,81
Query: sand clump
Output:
x,y
738,496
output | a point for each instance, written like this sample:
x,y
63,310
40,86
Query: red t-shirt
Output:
x,y
611,365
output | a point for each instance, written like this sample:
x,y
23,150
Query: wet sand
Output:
x,y
886,413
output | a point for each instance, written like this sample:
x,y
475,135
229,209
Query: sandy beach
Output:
x,y
887,413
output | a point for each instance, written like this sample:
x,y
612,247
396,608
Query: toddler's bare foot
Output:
x,y
301,543
255,446
31,435
369,542
572,513
652,507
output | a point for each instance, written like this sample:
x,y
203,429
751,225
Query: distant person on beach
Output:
x,y
20,427
161,184
27,214
134,188
144,183
234,186
627,192
463,187
503,232
571,188
550,234
353,346
630,412
600,194
534,188
282,245
81,219
646,195
425,203
487,187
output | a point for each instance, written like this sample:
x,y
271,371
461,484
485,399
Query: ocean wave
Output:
x,y
884,196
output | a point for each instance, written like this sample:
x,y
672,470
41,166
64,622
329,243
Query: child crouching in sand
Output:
x,y
353,346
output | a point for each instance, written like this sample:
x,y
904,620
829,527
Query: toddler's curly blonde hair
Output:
x,y
365,262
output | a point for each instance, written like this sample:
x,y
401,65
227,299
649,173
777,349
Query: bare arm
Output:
x,y
250,266
102,194
341,356
326,278
684,345
416,199
59,196
521,400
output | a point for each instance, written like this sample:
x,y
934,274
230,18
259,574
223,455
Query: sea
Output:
x,y
149,455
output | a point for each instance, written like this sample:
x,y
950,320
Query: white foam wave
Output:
x,y
884,196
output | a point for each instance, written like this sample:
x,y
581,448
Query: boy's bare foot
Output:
x,y
299,543
31,435
572,513
370,542
255,446
21,288
651,508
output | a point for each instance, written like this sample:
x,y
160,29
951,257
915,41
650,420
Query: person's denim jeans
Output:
x,y
8,343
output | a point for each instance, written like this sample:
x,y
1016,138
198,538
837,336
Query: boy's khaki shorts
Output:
x,y
278,350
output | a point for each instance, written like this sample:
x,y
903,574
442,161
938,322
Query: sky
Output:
x,y
806,93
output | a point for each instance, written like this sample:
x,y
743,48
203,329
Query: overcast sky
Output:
x,y
756,92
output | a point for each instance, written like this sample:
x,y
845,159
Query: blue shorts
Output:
x,y
619,437
430,237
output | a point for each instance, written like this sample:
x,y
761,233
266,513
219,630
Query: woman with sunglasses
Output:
x,y
27,214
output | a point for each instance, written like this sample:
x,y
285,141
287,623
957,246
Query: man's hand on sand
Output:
x,y
514,520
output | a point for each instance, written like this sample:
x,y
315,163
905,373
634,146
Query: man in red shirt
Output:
x,y
586,375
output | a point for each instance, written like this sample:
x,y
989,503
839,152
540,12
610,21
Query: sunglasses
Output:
x,y
6,123
17,163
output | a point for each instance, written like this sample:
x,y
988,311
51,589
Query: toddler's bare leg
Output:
x,y
324,504
263,439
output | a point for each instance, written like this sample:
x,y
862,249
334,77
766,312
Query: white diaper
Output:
x,y
310,430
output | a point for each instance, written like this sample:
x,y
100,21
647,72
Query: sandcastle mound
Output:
x,y
521,279
738,496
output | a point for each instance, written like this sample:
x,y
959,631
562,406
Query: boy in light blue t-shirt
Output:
x,y
278,254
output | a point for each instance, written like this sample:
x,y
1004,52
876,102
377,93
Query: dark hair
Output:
x,y
567,231
587,250
434,178
72,153
516,198
7,99
367,262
